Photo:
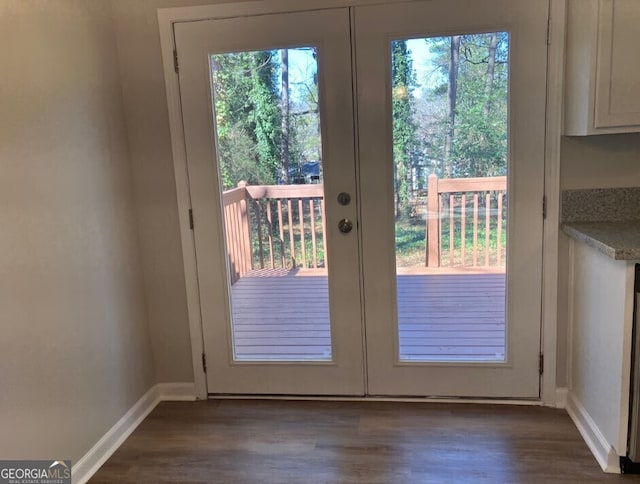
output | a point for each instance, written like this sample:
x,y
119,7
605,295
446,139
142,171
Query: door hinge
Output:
x,y
204,362
549,30
544,207
175,60
541,364
191,218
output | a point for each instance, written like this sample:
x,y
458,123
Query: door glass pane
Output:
x,y
270,164
450,150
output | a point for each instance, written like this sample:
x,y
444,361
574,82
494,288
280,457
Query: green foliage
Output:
x,y
265,115
470,141
249,114
405,145
247,117
479,146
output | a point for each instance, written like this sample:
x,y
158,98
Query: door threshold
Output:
x,y
345,398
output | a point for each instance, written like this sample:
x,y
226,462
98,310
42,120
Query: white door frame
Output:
x,y
554,109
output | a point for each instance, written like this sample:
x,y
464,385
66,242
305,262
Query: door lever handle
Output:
x,y
345,225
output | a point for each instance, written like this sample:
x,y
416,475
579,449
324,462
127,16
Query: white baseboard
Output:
x,y
561,397
89,464
604,453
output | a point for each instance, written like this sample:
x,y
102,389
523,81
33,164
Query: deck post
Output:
x,y
433,215
245,244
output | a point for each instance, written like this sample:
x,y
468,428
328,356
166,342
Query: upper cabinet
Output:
x,y
602,80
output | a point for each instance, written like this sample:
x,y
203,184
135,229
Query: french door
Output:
x,y
273,323
468,322
356,233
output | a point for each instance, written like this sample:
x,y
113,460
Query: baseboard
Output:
x,y
89,464
604,453
561,397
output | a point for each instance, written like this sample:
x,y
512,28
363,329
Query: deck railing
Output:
x,y
283,226
237,231
449,202
274,226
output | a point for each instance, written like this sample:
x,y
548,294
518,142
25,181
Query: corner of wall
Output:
x,y
562,395
89,464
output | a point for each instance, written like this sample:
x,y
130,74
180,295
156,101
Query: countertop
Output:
x,y
619,240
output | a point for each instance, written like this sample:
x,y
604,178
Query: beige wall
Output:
x,y
145,101
74,349
600,161
138,38
591,162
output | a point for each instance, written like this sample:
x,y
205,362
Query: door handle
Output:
x,y
345,225
344,198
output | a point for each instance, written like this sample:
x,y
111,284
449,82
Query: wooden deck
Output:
x,y
443,315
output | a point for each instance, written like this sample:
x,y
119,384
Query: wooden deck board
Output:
x,y
279,315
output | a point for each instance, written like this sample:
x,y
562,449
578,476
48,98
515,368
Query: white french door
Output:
x,y
471,328
397,265
286,320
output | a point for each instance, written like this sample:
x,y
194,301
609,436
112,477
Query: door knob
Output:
x,y
344,198
345,226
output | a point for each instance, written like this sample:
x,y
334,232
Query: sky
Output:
x,y
421,57
302,63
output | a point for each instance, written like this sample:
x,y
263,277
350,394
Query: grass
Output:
x,y
281,247
410,236
411,242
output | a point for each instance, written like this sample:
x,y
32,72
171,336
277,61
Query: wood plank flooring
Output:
x,y
281,315
236,441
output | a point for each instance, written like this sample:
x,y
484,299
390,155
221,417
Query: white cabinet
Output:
x,y
600,328
602,81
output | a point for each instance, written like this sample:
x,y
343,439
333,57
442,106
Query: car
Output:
x,y
305,173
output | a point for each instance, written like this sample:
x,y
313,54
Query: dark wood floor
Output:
x,y
231,441
284,315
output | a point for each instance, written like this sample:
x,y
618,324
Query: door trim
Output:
x,y
551,225
167,17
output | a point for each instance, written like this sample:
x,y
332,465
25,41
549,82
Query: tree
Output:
x,y
454,67
491,69
305,144
481,148
468,138
404,128
265,113
267,120
284,95
248,118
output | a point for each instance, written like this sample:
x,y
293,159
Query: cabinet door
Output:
x,y
618,71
